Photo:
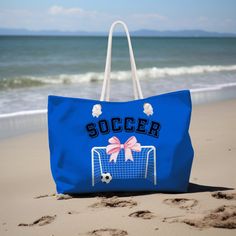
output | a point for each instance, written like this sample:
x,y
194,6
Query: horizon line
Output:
x,y
134,33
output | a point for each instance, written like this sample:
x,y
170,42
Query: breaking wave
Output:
x,y
151,73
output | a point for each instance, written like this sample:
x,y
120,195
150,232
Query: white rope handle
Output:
x,y
105,95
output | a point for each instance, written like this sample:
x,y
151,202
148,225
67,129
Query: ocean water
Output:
x,y
33,67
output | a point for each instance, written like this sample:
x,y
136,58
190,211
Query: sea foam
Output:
x,y
151,73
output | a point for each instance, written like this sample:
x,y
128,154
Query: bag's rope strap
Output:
x,y
105,95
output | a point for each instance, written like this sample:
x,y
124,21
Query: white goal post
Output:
x,y
142,167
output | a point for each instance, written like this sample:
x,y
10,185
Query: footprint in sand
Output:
x,y
182,203
44,220
222,217
108,232
227,196
144,214
114,202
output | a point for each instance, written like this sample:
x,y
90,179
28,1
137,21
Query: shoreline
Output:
x,y
218,85
29,206
23,122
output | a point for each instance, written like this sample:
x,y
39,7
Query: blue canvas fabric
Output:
x,y
101,146
72,139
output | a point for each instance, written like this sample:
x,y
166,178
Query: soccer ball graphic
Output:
x,y
106,178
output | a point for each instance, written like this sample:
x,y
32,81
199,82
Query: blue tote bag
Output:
x,y
139,145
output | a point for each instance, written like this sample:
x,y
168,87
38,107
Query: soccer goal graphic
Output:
x,y
143,165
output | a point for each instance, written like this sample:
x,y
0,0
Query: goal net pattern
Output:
x,y
143,166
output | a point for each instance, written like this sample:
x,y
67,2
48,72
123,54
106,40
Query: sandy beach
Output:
x,y
29,205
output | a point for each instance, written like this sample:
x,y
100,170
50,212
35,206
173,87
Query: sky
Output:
x,y
97,15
